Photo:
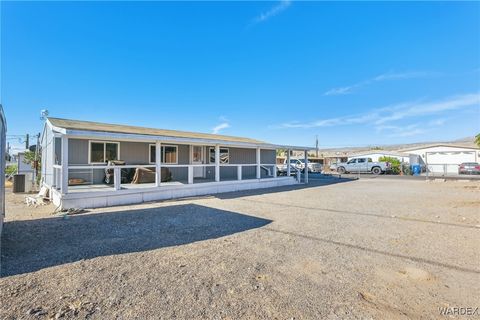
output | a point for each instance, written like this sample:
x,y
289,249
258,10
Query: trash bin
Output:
x,y
18,183
416,169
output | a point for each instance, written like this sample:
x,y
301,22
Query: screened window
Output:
x,y
224,155
101,152
168,154
152,153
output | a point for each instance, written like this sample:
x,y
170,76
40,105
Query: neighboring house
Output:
x,y
77,167
22,166
375,155
330,159
3,139
444,158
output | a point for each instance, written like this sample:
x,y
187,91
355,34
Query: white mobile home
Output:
x,y
89,164
444,158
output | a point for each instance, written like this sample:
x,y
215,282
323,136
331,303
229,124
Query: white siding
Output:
x,y
447,155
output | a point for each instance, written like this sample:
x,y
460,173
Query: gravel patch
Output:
x,y
369,248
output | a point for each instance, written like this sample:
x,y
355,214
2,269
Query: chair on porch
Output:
x,y
126,173
147,175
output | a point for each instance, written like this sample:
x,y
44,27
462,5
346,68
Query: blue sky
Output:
x,y
362,73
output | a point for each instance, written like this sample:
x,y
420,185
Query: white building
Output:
x,y
23,167
444,158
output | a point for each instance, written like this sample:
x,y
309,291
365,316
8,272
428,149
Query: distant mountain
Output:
x,y
465,142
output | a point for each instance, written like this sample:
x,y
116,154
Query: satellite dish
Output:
x,y
43,114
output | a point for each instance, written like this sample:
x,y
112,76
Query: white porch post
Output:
x,y
239,173
190,174
158,163
64,182
259,175
306,166
217,163
288,163
117,178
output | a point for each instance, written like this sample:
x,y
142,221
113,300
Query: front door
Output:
x,y
198,157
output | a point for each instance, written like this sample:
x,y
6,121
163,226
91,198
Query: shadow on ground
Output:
x,y
31,245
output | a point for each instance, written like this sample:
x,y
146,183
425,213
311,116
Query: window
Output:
x,y
361,160
224,155
168,154
101,152
352,161
152,153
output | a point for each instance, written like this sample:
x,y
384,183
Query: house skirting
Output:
x,y
98,199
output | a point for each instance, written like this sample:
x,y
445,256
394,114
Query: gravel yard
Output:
x,y
369,248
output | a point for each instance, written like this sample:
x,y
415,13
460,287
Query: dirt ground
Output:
x,y
371,248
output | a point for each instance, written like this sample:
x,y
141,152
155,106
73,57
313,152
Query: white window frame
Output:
x,y
162,153
104,150
213,148
202,153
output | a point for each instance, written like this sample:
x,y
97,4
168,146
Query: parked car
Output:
x,y
469,168
363,165
298,164
312,166
295,165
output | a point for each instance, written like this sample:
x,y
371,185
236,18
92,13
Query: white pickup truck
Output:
x,y
363,165
297,164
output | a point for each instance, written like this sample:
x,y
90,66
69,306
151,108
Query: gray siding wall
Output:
x,y
131,152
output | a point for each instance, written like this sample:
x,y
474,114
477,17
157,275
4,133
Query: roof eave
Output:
x,y
87,134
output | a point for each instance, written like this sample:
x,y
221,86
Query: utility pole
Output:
x,y
27,142
35,163
316,144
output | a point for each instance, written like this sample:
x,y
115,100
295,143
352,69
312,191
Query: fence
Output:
x,y
441,170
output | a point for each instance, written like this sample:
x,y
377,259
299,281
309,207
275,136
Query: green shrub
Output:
x,y
395,163
11,169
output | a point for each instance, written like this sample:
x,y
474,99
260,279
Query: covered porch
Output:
x,y
192,169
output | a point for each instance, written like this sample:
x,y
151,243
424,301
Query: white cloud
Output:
x,y
382,77
422,109
273,11
381,119
220,127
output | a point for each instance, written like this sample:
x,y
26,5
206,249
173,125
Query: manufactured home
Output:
x,y
444,158
90,164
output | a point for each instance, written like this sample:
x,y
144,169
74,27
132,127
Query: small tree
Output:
x,y
477,139
395,163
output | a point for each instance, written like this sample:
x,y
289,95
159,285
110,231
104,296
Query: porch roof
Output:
x,y
111,131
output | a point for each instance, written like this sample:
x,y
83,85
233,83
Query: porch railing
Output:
x,y
92,173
